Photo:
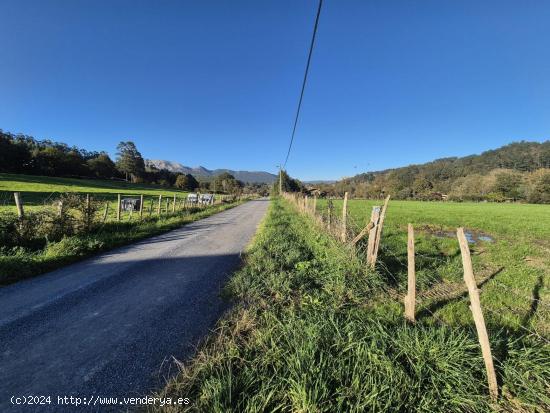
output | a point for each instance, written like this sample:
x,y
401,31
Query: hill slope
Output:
x,y
519,170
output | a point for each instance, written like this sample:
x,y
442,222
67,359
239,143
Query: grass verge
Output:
x,y
20,263
306,335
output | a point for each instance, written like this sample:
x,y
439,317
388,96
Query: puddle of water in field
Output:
x,y
472,237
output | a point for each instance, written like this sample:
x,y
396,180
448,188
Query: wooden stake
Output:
x,y
410,298
19,204
379,231
314,204
174,204
374,218
329,217
159,205
363,232
60,209
106,211
345,217
119,206
475,307
141,206
88,218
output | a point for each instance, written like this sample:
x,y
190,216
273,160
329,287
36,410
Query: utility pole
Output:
x,y
280,179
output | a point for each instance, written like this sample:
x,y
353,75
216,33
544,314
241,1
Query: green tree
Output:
x,y
186,182
288,184
102,166
129,160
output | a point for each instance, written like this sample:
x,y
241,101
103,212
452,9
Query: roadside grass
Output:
x,y
19,263
310,331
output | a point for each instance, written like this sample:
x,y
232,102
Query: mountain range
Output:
x,y
202,173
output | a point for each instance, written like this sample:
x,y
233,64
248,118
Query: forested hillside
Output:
x,y
519,171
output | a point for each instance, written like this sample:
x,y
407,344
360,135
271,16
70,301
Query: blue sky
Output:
x,y
216,83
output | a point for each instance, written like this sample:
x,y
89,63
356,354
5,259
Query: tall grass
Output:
x,y
308,333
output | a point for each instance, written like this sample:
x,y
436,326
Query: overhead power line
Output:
x,y
304,82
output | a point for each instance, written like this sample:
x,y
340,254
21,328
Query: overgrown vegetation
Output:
x,y
519,171
312,331
44,240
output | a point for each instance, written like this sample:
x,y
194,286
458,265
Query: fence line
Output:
x,y
341,230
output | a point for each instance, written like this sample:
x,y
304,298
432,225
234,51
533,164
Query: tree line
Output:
x,y
516,172
23,154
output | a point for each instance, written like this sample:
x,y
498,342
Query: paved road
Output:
x,y
110,325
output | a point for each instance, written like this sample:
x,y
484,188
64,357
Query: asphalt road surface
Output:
x,y
111,325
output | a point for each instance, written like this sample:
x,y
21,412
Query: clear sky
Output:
x,y
216,83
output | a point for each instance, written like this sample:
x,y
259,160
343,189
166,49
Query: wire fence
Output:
x,y
523,313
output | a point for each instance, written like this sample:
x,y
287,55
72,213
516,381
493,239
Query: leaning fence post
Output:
x,y
159,205
118,208
141,206
475,307
345,217
374,218
410,298
19,204
379,231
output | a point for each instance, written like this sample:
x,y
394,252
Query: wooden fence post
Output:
x,y
475,307
174,205
379,232
88,217
374,218
118,208
410,298
306,204
19,204
167,204
329,217
314,204
106,211
159,205
60,208
345,218
141,206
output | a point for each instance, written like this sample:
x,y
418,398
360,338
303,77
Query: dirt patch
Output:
x,y
537,262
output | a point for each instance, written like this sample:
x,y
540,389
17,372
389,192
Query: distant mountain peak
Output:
x,y
202,172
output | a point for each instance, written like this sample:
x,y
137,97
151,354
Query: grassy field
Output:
x,y
516,294
40,192
313,330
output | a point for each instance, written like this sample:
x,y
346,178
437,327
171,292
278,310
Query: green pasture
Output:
x,y
516,264
40,192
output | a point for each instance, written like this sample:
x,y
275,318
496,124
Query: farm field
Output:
x,y
40,192
511,258
313,329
